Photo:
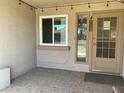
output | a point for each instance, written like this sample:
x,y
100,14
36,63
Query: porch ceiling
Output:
x,y
47,3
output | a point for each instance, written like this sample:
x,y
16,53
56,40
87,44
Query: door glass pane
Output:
x,y
99,52
106,37
105,53
106,45
106,34
112,44
47,30
81,38
99,44
60,30
111,53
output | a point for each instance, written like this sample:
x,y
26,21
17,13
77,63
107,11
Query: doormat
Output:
x,y
104,79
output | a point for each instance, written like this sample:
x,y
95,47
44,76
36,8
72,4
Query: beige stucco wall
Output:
x,y
61,58
17,37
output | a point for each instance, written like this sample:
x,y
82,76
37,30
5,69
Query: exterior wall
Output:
x,y
60,58
17,37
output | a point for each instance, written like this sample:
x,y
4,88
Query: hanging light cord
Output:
x,y
32,7
82,4
68,5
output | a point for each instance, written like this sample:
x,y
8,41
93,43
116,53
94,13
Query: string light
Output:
x,y
20,2
31,8
108,3
56,8
79,4
71,7
122,2
89,5
42,10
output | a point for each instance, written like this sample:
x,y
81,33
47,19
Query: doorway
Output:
x,y
106,42
103,49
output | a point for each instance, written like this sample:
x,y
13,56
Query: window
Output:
x,y
106,37
53,30
81,38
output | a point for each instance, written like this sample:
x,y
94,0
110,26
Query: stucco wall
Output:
x,y
17,37
61,58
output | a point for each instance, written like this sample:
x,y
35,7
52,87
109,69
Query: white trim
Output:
x,y
52,16
67,30
40,24
53,31
41,32
45,44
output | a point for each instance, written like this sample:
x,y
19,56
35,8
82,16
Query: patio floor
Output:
x,y
41,80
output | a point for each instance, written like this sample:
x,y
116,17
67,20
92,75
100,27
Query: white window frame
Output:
x,y
41,30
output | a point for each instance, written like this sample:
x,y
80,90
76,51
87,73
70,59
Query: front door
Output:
x,y
106,55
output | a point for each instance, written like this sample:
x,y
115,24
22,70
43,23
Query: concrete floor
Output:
x,y
55,81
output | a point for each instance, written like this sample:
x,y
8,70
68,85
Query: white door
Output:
x,y
106,56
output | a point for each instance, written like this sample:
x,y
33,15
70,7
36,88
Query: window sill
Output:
x,y
67,48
